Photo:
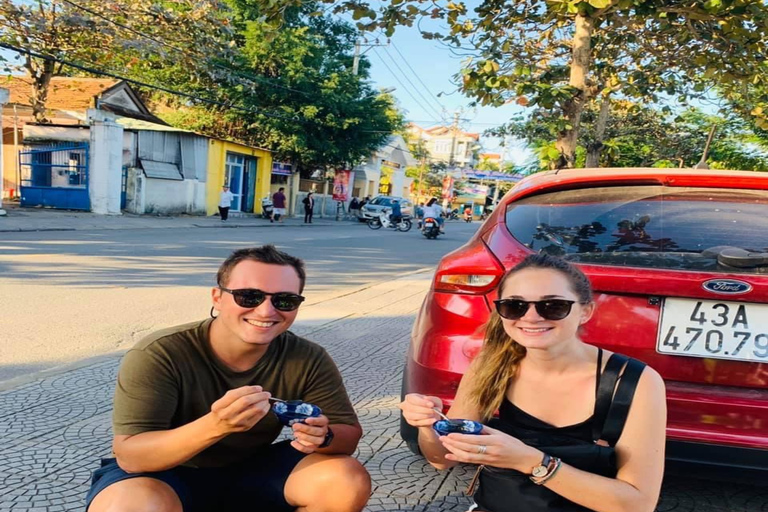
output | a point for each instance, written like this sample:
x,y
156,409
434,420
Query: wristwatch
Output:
x,y
328,439
543,468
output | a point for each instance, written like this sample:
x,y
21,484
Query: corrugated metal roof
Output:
x,y
129,123
161,170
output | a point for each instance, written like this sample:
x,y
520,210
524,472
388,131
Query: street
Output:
x,y
88,293
80,296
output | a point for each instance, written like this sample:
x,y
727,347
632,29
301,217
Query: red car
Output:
x,y
679,263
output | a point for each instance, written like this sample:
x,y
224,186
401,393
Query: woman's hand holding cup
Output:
x,y
420,410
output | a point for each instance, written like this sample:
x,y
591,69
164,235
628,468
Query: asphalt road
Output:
x,y
69,296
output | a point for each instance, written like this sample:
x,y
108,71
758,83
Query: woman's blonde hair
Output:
x,y
499,360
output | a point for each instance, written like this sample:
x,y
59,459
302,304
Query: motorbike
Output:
x,y
267,208
430,228
453,215
383,220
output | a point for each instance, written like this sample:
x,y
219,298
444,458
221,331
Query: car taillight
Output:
x,y
470,269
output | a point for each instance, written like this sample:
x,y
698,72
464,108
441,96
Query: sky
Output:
x,y
420,70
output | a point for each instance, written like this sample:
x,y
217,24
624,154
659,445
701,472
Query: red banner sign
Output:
x,y
341,182
448,187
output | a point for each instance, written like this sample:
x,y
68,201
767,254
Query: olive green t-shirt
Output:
x,y
172,378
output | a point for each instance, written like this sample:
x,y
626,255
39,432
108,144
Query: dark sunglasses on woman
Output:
x,y
252,298
549,309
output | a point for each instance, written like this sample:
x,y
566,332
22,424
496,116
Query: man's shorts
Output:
x,y
279,211
255,484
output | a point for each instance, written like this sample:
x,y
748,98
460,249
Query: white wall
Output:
x,y
164,197
106,159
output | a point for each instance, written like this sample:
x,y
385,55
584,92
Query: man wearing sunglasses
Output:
x,y
192,421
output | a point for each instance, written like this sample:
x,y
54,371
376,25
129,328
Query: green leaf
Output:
x,y
599,4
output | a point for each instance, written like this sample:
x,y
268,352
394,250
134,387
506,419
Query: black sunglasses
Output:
x,y
252,298
549,309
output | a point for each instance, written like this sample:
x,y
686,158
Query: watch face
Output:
x,y
539,471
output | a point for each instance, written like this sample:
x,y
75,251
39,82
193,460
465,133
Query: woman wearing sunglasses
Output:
x,y
578,428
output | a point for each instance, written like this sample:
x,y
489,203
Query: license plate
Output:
x,y
430,224
714,329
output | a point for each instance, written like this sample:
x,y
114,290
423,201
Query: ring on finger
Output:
x,y
482,449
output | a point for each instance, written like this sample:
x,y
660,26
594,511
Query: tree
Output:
x,y
561,56
128,33
643,136
306,104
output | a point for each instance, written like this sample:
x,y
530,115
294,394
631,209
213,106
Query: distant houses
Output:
x,y
105,152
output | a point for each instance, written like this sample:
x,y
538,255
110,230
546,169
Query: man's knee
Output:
x,y
308,485
137,495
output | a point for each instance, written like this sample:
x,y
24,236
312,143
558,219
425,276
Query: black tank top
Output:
x,y
510,414
506,490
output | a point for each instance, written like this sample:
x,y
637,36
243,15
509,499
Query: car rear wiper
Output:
x,y
737,257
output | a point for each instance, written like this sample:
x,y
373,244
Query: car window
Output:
x,y
383,201
648,226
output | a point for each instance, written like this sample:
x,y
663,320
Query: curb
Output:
x,y
199,226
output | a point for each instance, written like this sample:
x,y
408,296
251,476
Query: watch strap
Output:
x,y
328,439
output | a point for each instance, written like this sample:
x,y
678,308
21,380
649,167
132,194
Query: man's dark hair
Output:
x,y
281,189
265,254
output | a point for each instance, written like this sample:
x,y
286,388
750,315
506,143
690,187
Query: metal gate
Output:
x,y
55,176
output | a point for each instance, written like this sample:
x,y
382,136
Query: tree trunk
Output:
x,y
572,109
596,146
41,73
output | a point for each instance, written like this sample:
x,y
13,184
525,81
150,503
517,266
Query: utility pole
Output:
x,y
4,95
454,130
356,60
501,169
358,46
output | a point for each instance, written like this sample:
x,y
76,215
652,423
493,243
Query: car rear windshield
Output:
x,y
702,229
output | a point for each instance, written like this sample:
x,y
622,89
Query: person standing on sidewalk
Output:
x,y
309,204
278,204
354,208
225,201
193,430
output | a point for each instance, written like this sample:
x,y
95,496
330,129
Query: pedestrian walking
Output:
x,y
541,454
354,207
309,204
225,202
192,421
278,204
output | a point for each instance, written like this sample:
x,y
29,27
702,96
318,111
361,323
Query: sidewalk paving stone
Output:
x,y
54,430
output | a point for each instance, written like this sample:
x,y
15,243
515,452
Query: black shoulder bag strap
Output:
x,y
604,396
619,410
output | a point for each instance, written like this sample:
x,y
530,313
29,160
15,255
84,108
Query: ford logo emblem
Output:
x,y
727,286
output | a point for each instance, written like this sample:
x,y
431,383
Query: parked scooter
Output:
x,y
383,220
431,228
267,208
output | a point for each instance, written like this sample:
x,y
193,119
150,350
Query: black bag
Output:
x,y
507,490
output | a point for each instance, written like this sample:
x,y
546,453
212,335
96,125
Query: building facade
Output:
x,y
446,144
246,170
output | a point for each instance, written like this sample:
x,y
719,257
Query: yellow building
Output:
x,y
246,170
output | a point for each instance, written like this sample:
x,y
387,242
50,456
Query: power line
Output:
x,y
405,88
431,95
184,52
150,86
416,89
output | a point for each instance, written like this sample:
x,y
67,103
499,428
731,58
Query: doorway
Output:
x,y
241,177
